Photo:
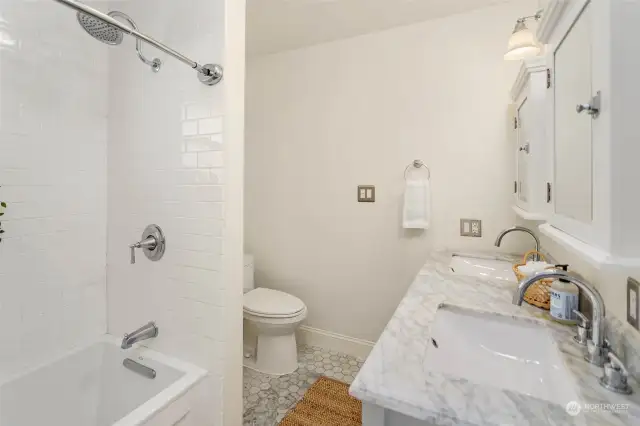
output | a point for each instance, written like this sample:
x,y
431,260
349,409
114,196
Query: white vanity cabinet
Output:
x,y
593,54
530,141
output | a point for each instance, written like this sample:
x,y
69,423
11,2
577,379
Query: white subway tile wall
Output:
x,y
92,149
53,136
166,166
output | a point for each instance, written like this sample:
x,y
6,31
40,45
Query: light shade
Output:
x,y
522,44
7,41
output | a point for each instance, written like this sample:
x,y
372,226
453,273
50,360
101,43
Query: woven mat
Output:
x,y
326,403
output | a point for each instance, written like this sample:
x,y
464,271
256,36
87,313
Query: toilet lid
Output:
x,y
272,303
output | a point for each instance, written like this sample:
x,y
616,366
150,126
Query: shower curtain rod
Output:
x,y
209,74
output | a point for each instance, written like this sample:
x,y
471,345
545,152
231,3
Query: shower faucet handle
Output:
x,y
149,243
153,244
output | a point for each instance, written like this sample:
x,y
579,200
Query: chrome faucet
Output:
x,y
145,332
522,229
597,350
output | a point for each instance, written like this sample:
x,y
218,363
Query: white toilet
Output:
x,y
275,315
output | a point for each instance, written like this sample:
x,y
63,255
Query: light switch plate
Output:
x,y
471,228
366,194
633,311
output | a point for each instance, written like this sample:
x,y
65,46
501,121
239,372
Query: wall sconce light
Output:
x,y
523,43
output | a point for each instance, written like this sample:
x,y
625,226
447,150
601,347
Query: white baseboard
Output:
x,y
334,342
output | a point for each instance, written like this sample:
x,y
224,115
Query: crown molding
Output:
x,y
550,19
529,66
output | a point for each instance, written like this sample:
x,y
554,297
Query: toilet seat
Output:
x,y
267,303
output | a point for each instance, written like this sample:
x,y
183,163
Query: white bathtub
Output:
x,y
91,387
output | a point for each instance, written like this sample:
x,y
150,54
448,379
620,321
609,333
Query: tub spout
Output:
x,y
145,332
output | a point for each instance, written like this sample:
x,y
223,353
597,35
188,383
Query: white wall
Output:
x,y
68,106
167,166
322,120
53,129
234,86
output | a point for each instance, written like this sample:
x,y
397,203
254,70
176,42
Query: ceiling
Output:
x,y
276,25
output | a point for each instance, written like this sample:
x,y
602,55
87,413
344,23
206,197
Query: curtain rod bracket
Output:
x,y
213,76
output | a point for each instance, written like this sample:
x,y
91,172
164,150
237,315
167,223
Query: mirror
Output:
x,y
573,136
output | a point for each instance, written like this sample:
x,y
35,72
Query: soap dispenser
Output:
x,y
564,299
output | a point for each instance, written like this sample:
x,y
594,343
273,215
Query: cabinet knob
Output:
x,y
592,108
587,107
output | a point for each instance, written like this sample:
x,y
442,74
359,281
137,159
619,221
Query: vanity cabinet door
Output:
x,y
530,146
572,131
523,149
592,50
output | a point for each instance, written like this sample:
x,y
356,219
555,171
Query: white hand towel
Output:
x,y
417,205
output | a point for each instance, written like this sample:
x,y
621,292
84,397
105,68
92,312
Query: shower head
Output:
x,y
105,28
107,33
100,30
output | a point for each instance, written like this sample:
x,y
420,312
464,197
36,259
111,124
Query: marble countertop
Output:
x,y
394,376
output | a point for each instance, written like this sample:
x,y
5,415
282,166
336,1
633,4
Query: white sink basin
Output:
x,y
483,267
499,351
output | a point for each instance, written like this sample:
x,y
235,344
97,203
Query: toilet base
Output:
x,y
274,355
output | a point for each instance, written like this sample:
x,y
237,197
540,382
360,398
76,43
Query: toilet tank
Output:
x,y
248,273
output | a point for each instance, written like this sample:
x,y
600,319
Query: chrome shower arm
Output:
x,y
210,74
156,63
79,7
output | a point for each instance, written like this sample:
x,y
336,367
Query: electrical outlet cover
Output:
x,y
366,194
476,228
470,228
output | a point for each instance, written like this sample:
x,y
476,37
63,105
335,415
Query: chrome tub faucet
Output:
x,y
145,332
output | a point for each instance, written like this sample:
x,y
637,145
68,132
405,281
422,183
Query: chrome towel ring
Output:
x,y
417,164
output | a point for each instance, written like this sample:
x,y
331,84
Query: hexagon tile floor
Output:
x,y
267,399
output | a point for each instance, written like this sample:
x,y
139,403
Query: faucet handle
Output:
x,y
149,243
133,248
584,321
615,376
153,244
583,329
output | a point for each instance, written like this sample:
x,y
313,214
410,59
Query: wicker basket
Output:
x,y
538,294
